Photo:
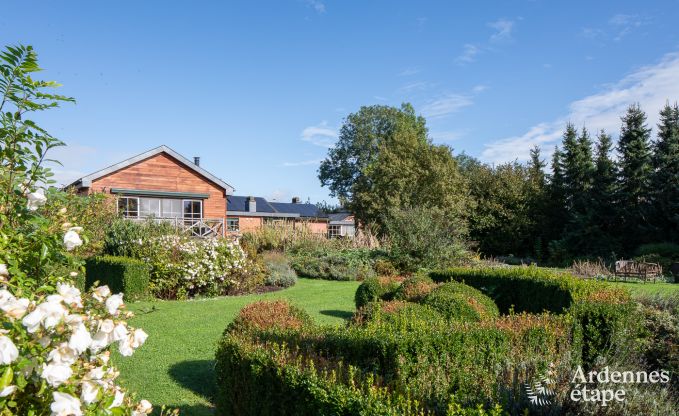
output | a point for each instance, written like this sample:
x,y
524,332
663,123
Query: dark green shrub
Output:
x,y
278,270
461,302
397,313
415,288
425,237
662,253
374,289
371,370
384,267
120,274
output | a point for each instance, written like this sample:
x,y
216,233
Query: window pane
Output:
x,y
192,209
171,208
150,207
233,224
128,207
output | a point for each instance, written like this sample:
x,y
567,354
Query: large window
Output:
x,y
128,207
142,207
193,208
233,224
334,231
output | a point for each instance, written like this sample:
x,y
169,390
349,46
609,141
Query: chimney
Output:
x,y
196,160
295,200
252,204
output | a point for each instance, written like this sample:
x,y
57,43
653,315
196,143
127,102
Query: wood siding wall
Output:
x,y
163,173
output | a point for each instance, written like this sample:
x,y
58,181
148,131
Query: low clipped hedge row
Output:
x,y
121,274
385,367
459,301
600,311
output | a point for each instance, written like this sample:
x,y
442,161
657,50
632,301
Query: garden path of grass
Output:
x,y
175,366
649,288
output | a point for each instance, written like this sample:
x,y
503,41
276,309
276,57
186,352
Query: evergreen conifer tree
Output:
x,y
666,175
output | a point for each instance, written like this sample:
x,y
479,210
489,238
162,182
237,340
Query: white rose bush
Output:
x,y
55,353
55,342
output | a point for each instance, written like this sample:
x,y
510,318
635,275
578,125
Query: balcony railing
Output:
x,y
198,227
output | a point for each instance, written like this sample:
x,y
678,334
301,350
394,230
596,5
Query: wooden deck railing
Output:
x,y
198,227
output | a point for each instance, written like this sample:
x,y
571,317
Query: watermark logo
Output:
x,y
540,391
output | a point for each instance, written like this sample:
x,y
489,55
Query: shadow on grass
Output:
x,y
187,409
199,377
337,313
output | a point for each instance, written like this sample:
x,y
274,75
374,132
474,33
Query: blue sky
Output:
x,y
259,89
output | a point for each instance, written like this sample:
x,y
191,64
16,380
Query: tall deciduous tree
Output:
x,y
635,173
384,160
666,175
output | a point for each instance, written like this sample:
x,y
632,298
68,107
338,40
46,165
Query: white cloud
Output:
x,y
650,86
447,136
317,5
480,88
408,72
320,135
503,30
415,86
380,98
302,163
469,53
446,105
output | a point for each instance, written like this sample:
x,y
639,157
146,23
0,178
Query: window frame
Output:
x,y
192,214
125,212
230,226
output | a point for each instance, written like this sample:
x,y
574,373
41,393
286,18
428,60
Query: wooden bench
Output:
x,y
640,270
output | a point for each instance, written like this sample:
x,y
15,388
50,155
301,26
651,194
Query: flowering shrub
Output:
x,y
54,353
182,266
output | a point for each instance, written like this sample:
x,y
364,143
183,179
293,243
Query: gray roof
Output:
x,y
340,216
86,181
238,205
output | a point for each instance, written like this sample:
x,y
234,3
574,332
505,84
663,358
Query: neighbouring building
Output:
x,y
164,185
341,224
247,213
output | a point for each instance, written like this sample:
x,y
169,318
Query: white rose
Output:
x,y
119,332
7,391
8,351
73,274
139,337
89,392
101,293
49,314
113,303
72,240
56,374
70,294
63,354
103,337
36,199
16,308
3,270
125,347
118,400
32,320
143,408
5,297
65,405
80,339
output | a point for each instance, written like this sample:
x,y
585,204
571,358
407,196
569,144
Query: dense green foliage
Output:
x,y
120,274
375,288
348,264
379,369
458,301
415,288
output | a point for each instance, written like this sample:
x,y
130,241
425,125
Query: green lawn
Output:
x,y
641,289
174,367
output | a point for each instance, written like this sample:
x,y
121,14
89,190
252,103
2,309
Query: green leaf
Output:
x,y
7,377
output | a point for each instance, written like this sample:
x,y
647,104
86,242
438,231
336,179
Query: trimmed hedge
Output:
x,y
396,313
374,289
331,266
120,274
427,368
415,288
600,311
459,301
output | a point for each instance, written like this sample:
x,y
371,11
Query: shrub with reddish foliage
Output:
x,y
266,315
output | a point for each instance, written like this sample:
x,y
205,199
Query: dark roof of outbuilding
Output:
x,y
339,216
240,204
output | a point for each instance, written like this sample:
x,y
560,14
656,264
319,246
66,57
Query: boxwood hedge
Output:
x,y
120,274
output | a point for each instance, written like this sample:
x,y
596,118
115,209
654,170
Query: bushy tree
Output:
x,y
384,160
665,178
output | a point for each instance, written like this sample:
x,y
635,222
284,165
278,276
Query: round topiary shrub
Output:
x,y
271,314
458,301
415,288
375,288
396,313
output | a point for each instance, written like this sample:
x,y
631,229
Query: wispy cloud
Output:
x,y
480,88
415,86
320,135
408,72
380,98
446,105
317,5
650,86
503,30
469,54
616,28
302,163
447,136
